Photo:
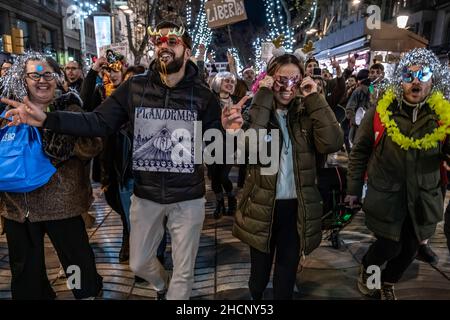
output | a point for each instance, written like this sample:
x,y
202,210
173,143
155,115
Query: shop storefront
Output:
x,y
384,45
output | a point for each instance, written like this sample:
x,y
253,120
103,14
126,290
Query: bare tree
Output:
x,y
148,13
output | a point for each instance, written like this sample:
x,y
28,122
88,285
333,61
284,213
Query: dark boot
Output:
x,y
124,253
447,225
232,205
220,209
427,255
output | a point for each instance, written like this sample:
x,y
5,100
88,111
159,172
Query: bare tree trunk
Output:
x,y
153,4
286,11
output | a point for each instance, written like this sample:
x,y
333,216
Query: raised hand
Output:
x,y
230,59
99,63
201,52
351,61
210,57
334,63
232,116
266,82
24,112
308,86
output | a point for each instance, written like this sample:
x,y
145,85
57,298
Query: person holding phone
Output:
x,y
334,89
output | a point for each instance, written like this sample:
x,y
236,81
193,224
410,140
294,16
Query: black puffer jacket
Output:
x,y
148,91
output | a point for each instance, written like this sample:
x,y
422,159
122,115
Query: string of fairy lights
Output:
x,y
201,33
259,63
234,52
88,7
312,11
278,23
188,13
276,20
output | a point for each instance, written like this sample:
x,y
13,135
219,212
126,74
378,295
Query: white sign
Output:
x,y
102,25
266,51
224,12
121,47
73,17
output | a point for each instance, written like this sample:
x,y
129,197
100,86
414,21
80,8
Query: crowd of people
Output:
x,y
111,127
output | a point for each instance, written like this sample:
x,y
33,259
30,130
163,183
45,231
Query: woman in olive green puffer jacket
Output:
x,y
282,212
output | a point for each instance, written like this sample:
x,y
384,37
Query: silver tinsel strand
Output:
x,y
422,57
13,85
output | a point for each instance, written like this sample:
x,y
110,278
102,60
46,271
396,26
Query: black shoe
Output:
x,y
161,259
427,255
220,209
362,284
138,279
124,253
232,204
161,295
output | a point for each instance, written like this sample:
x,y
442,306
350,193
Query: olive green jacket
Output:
x,y
312,129
400,182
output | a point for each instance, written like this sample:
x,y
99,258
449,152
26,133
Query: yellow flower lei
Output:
x,y
436,102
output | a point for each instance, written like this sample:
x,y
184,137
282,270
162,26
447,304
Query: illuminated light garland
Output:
x,y
279,26
311,11
188,14
235,54
259,63
201,33
87,8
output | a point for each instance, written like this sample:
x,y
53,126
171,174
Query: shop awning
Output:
x,y
357,36
391,38
351,46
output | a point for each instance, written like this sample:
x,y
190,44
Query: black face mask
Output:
x,y
173,67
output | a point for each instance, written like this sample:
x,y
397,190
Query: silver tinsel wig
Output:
x,y
13,85
425,58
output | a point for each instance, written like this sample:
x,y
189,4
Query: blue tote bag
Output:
x,y
24,167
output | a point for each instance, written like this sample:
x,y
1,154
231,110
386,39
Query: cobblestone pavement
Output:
x,y
222,267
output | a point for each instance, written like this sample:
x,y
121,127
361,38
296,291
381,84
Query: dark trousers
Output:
x,y
398,254
446,214
219,178
27,257
113,199
345,125
447,224
242,175
285,246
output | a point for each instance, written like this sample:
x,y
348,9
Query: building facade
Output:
x,y
428,26
71,28
40,22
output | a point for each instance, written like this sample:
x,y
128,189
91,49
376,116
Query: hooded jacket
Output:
x,y
147,94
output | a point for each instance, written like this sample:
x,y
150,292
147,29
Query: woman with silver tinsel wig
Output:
x,y
54,209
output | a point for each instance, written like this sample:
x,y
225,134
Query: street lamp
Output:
x,y
356,2
402,21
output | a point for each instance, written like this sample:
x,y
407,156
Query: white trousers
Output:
x,y
184,223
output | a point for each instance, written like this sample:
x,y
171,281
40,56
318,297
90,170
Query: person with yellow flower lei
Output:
x,y
404,202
